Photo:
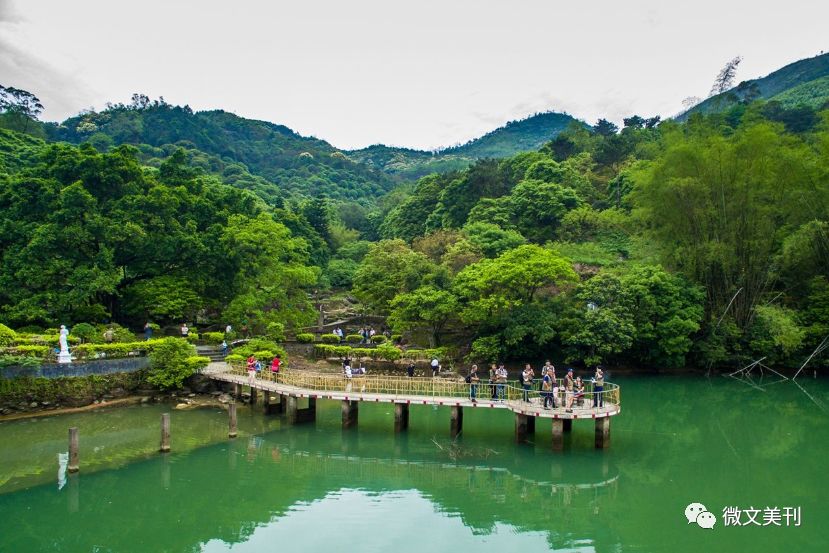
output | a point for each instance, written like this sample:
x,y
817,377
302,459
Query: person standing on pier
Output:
x,y
598,387
502,382
547,387
435,367
410,368
493,380
276,364
251,369
568,390
473,380
527,381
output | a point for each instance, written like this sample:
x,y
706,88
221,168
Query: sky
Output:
x,y
422,74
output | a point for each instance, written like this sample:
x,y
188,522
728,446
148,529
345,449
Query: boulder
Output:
x,y
225,398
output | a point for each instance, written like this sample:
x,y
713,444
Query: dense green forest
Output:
x,y
661,244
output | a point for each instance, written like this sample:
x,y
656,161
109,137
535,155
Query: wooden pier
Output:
x,y
298,391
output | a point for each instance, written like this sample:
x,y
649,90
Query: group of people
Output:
x,y
366,333
551,388
255,366
349,371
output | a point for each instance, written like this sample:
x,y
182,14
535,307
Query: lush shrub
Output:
x,y
30,329
305,338
215,338
330,339
396,338
264,356
276,332
192,338
259,345
234,359
378,339
197,362
7,336
28,350
387,352
19,361
353,338
169,361
85,332
44,339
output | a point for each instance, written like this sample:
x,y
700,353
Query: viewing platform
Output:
x,y
291,386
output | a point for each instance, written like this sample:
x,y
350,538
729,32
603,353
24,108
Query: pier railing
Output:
x,y
402,386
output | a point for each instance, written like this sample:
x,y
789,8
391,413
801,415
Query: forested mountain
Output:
x,y
514,137
704,243
269,159
802,82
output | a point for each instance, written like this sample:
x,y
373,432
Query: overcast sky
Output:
x,y
420,73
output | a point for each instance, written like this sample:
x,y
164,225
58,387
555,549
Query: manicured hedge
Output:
x,y
305,337
330,339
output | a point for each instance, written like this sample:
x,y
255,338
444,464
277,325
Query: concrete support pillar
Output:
x,y
350,411
165,433
530,425
603,433
558,434
283,403
237,391
73,450
290,409
401,417
520,428
253,395
456,421
568,425
232,426
266,402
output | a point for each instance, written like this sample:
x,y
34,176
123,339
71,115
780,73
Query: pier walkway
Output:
x,y
283,392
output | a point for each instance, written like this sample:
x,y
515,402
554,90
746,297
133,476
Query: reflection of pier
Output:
x,y
527,406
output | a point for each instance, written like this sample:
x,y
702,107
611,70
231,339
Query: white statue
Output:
x,y
63,356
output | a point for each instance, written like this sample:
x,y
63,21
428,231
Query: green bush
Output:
x,y
7,336
387,352
85,332
197,362
259,345
276,332
396,338
305,338
44,339
169,362
378,339
192,338
30,329
353,338
330,339
234,359
214,338
20,361
264,356
28,350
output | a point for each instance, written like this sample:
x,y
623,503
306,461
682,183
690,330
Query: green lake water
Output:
x,y
314,487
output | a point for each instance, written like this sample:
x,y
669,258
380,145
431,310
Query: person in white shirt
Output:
x,y
435,367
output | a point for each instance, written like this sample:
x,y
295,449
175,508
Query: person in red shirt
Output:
x,y
275,365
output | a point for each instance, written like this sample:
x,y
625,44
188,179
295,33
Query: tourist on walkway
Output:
x,y
148,331
502,382
224,348
276,364
228,330
435,367
598,388
568,390
527,381
493,381
410,368
347,374
185,332
579,395
547,387
473,380
251,369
